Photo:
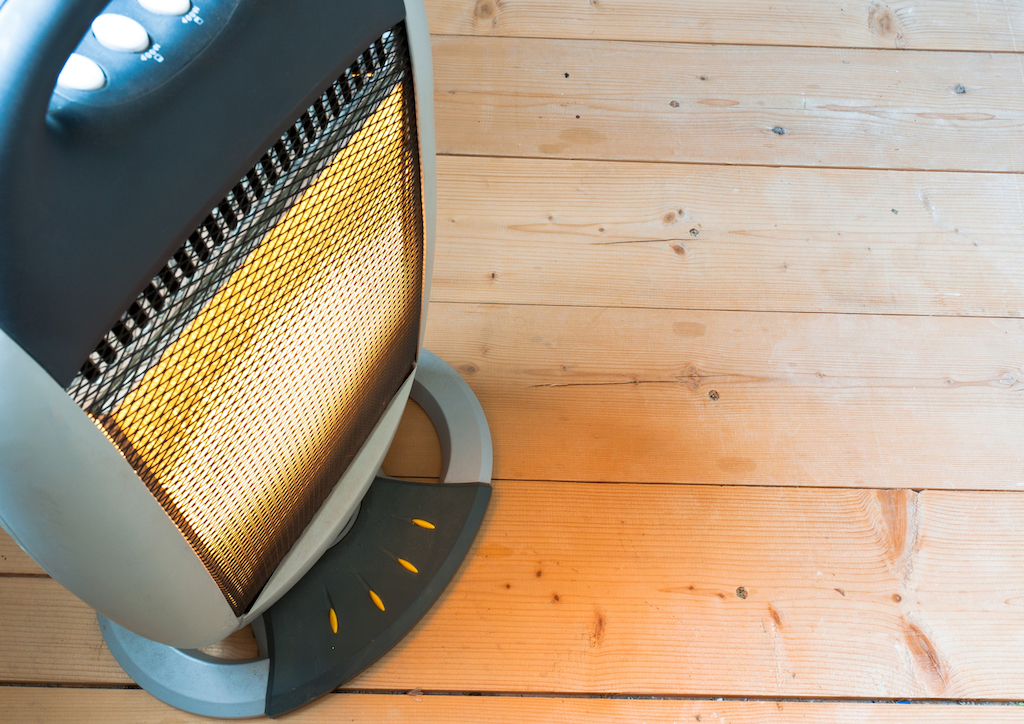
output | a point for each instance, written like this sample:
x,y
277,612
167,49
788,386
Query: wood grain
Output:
x,y
721,237
36,705
668,590
719,104
610,344
49,636
642,395
924,24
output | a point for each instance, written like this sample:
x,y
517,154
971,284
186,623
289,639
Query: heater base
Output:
x,y
363,594
379,581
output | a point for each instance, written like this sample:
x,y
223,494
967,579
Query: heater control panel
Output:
x,y
133,46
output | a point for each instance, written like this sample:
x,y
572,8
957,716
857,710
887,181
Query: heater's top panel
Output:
x,y
134,46
95,197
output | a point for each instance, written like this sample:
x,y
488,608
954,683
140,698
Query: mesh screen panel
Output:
x,y
249,372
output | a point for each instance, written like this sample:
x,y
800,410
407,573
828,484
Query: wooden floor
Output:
x,y
740,286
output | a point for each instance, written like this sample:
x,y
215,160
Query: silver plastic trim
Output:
x,y
75,505
462,429
418,34
190,680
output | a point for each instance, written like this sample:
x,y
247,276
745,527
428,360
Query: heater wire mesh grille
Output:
x,y
251,369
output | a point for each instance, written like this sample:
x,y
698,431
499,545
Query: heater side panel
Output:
x,y
74,504
418,37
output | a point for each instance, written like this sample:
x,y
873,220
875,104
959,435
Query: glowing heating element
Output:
x,y
252,413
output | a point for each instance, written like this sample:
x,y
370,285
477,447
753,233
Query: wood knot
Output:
x,y
932,670
883,23
597,633
896,520
485,9
690,377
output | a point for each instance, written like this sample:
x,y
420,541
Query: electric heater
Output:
x,y
215,253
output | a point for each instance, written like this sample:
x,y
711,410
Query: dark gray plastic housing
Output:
x,y
96,196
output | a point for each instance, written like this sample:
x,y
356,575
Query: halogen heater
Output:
x,y
215,258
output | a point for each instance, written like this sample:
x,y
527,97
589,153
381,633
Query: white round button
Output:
x,y
166,7
121,33
81,73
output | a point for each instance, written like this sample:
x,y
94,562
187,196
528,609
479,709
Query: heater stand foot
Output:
x,y
362,596
405,547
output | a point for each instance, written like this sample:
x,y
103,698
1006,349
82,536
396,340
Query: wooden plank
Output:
x,y
723,237
646,395
587,588
693,590
104,706
49,636
720,104
932,25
